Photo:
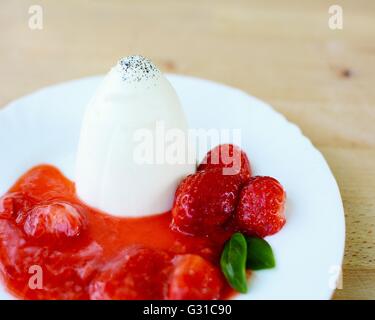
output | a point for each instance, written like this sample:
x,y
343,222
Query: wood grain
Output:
x,y
281,51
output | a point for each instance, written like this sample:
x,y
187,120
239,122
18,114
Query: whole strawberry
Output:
x,y
230,158
260,210
205,201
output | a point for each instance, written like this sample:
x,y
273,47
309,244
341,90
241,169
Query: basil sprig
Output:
x,y
259,254
242,252
233,262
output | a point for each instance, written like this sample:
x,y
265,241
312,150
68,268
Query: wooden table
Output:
x,y
281,51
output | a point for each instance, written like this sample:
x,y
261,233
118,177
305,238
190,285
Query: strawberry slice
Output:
x,y
194,278
13,205
6,207
137,273
55,220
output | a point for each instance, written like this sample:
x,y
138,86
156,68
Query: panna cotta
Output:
x,y
113,173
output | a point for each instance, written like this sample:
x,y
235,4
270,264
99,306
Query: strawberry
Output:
x,y
44,183
194,278
14,205
55,220
137,273
261,206
205,201
6,207
230,158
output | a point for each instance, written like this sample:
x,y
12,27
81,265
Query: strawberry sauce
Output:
x,y
86,254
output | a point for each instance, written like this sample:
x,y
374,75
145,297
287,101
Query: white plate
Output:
x,y
44,128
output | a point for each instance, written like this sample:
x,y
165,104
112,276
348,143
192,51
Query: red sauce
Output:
x,y
106,258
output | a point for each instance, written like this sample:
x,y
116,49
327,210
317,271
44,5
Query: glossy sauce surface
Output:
x,y
105,249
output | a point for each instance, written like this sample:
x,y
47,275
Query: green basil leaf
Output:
x,y
233,262
259,254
